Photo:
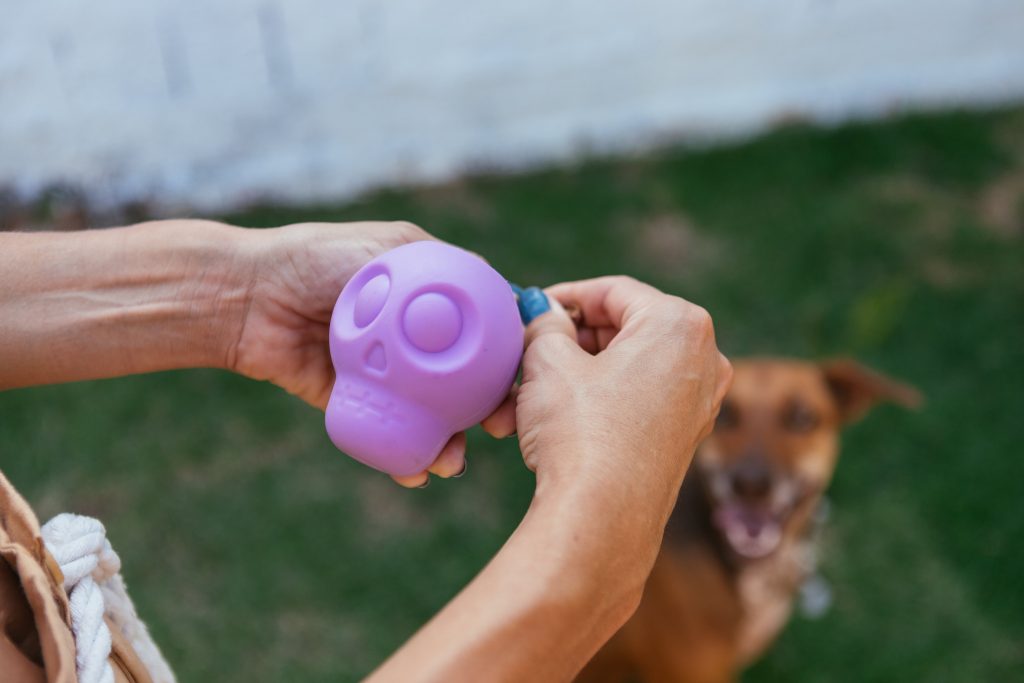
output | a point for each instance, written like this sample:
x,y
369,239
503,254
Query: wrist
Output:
x,y
594,556
215,287
615,507
555,590
623,494
185,297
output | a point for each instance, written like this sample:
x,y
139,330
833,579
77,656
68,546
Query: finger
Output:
x,y
502,422
413,481
604,337
451,461
586,337
606,301
546,317
595,339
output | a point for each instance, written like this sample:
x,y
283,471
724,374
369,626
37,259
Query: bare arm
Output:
x,y
114,302
538,612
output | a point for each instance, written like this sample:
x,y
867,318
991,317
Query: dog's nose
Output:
x,y
752,479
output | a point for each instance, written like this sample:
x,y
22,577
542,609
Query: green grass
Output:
x,y
257,553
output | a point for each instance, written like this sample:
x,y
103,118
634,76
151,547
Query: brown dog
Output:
x,y
740,541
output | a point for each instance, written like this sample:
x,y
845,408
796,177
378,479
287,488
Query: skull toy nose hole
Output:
x,y
432,322
376,358
370,300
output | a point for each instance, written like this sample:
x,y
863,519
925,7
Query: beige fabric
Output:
x,y
124,660
36,645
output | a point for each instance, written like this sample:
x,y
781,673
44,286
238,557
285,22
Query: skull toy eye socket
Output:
x,y
432,322
370,300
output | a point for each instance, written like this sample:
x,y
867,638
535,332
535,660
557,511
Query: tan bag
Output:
x,y
36,644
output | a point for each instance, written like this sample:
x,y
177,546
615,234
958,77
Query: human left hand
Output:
x,y
296,273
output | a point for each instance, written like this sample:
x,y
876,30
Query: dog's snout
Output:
x,y
752,479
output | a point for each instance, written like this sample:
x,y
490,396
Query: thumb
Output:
x,y
544,315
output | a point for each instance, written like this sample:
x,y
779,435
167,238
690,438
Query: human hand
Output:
x,y
611,413
296,275
608,416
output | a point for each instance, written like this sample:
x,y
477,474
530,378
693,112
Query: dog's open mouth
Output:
x,y
751,531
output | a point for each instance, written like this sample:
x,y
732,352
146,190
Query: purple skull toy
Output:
x,y
426,341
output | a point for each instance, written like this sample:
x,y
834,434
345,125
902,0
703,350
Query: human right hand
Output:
x,y
608,417
612,412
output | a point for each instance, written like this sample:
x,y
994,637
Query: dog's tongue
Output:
x,y
752,532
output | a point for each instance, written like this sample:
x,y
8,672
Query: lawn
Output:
x,y
258,553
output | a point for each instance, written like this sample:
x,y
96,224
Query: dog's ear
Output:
x,y
857,389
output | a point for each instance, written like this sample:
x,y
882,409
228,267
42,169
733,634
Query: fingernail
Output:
x,y
532,304
425,484
462,471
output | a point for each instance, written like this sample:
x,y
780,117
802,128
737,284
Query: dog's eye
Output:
x,y
799,418
728,416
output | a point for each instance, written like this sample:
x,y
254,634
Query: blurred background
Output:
x,y
827,177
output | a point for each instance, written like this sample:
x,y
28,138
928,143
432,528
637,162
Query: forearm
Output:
x,y
114,302
560,587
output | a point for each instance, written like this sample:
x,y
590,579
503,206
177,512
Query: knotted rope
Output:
x,y
95,588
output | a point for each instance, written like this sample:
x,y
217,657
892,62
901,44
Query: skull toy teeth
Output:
x,y
426,341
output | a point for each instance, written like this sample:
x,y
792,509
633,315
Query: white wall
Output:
x,y
214,102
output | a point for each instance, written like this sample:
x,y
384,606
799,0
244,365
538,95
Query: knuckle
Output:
x,y
688,315
704,326
410,230
619,281
727,371
674,307
700,318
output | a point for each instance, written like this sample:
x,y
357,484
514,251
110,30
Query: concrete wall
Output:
x,y
212,103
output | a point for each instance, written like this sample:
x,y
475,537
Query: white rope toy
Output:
x,y
95,588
